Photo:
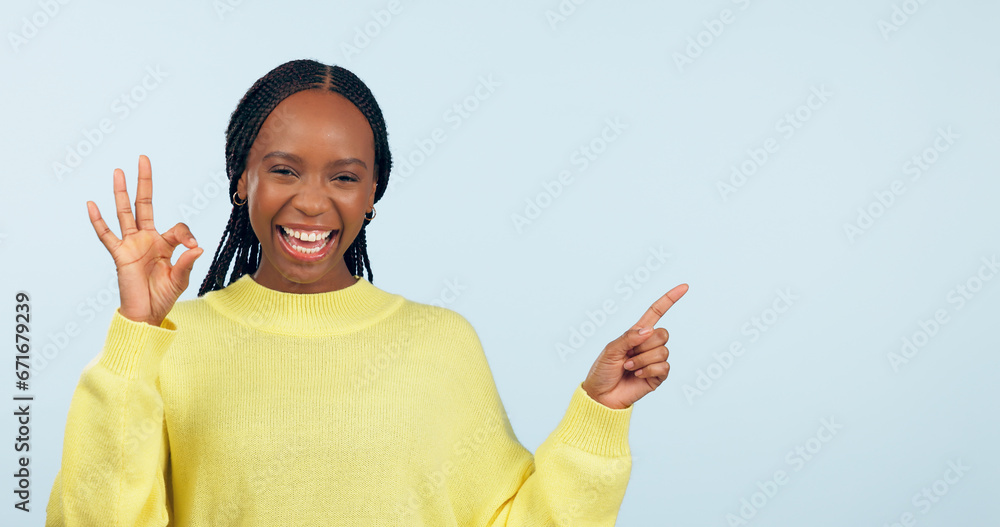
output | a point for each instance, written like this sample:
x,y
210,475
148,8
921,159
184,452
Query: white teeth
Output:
x,y
304,250
310,236
305,236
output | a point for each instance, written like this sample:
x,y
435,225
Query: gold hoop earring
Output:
x,y
235,197
373,214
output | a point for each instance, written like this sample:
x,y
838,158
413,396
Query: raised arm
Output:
x,y
115,460
579,475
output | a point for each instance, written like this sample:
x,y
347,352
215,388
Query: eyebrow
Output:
x,y
332,164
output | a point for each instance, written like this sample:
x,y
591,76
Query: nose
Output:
x,y
311,198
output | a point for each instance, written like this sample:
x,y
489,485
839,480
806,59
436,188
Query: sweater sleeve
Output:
x,y
115,468
579,474
577,477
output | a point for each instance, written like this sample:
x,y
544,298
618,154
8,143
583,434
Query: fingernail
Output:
x,y
645,331
629,364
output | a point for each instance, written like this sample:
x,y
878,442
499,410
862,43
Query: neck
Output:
x,y
338,278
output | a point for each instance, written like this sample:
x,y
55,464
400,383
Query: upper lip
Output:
x,y
307,228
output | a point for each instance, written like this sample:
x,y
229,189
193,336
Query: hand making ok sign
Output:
x,y
148,283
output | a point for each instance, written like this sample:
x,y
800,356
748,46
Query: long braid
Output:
x,y
351,257
239,245
222,244
244,238
357,255
363,249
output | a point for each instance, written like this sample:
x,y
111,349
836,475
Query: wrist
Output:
x,y
140,320
603,399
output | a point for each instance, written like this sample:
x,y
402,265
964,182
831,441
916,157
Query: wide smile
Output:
x,y
315,246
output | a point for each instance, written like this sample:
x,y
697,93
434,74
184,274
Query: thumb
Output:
x,y
181,272
618,349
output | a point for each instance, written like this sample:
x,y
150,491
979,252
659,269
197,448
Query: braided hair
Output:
x,y
260,100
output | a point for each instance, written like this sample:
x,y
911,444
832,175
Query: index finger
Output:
x,y
144,195
660,307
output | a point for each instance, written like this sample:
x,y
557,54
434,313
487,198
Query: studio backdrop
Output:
x,y
822,174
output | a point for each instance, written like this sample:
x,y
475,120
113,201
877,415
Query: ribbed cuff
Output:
x,y
593,427
134,349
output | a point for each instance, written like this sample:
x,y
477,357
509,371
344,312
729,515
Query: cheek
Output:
x,y
354,203
261,215
260,225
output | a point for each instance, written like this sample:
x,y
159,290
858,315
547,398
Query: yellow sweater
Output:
x,y
250,406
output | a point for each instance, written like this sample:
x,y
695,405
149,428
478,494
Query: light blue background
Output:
x,y
448,224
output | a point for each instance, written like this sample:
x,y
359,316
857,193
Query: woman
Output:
x,y
301,394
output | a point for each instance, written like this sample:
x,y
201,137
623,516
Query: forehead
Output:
x,y
316,119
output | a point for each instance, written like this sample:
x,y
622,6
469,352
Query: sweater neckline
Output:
x,y
302,314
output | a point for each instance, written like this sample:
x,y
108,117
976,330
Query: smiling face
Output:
x,y
310,169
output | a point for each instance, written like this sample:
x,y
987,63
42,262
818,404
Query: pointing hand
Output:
x,y
635,363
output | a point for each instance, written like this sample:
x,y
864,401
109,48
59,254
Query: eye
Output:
x,y
345,177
